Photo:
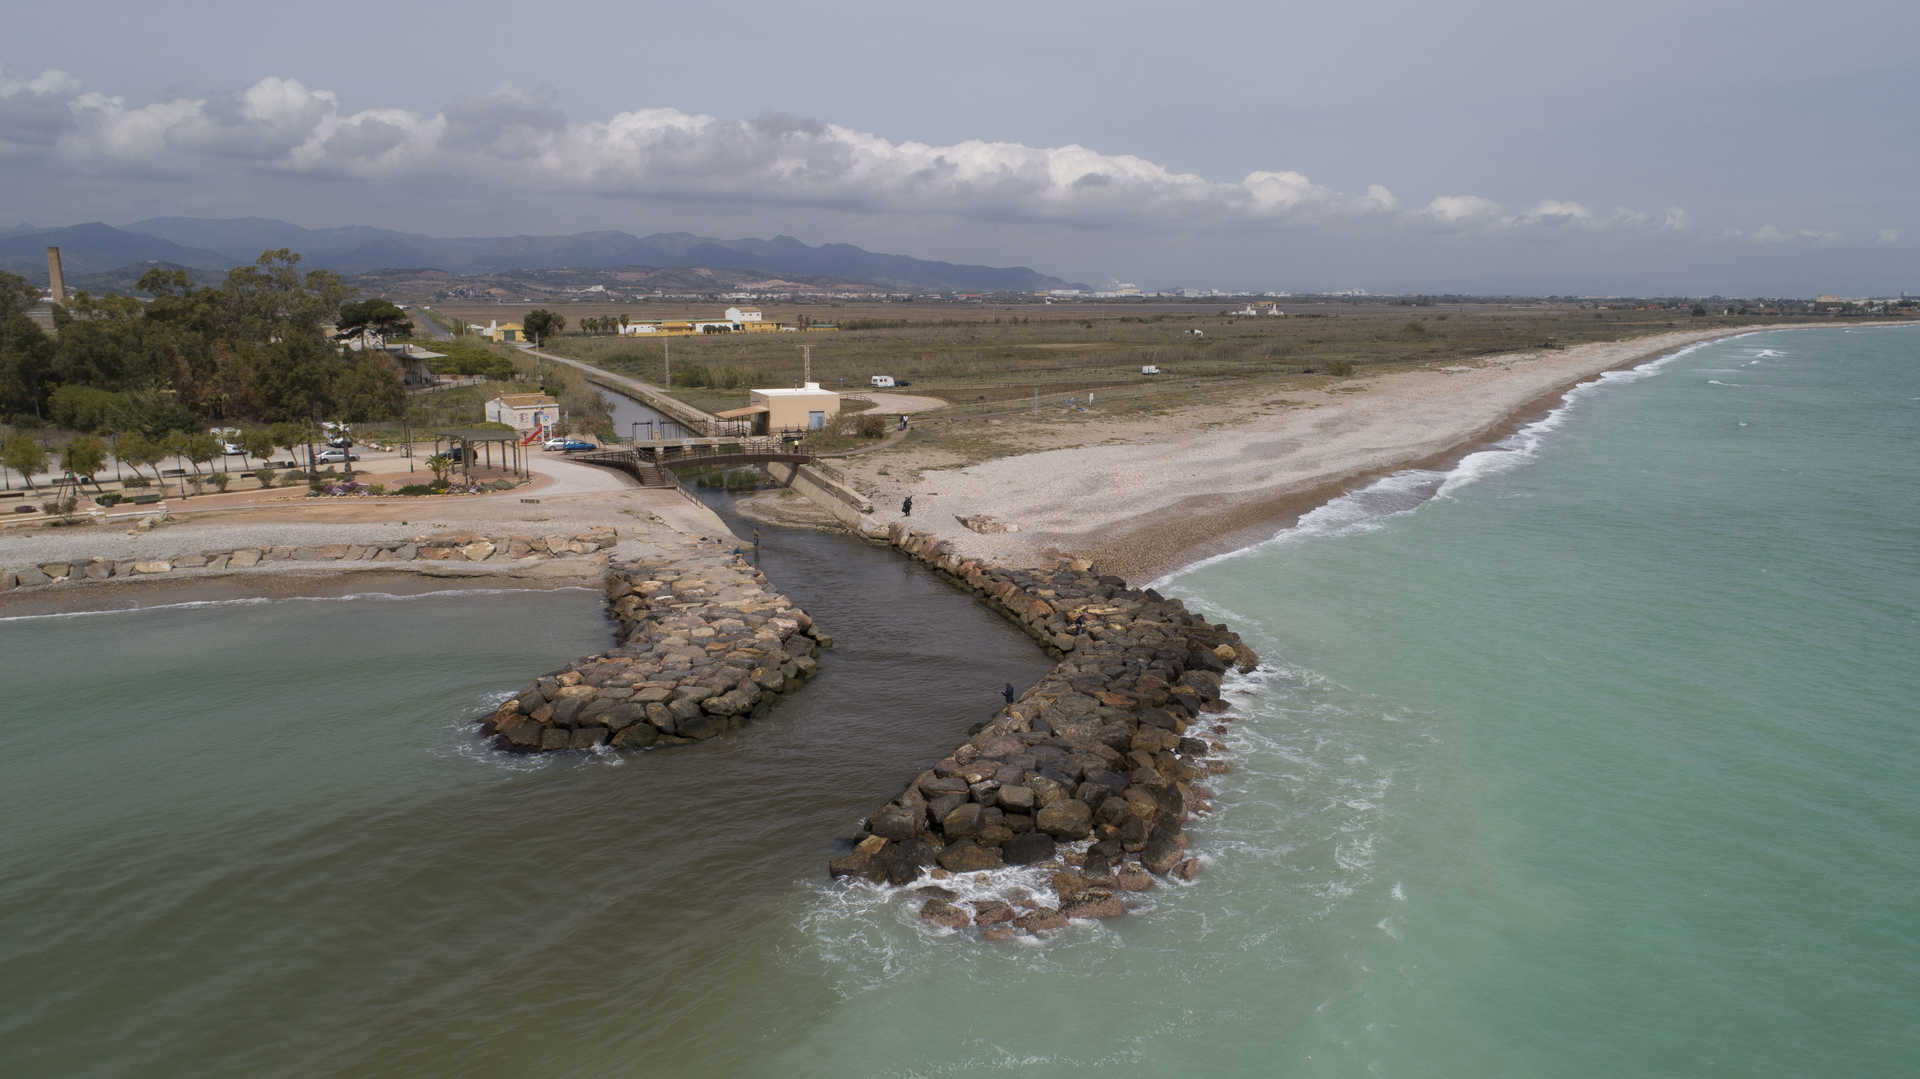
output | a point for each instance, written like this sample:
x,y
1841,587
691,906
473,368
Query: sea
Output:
x,y
1597,753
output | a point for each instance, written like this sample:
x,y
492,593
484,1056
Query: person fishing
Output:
x,y
906,506
1008,692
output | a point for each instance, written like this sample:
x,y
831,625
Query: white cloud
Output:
x,y
520,139
1888,237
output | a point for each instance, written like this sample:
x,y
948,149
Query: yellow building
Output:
x,y
502,331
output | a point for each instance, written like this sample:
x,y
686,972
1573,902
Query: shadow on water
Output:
x,y
307,874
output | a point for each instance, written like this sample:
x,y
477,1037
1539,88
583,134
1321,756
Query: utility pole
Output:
x,y
806,364
667,347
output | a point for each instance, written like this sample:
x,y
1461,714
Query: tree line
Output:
x,y
254,349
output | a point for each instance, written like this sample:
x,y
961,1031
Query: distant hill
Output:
x,y
362,249
94,248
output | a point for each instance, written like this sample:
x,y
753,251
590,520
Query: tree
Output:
x,y
258,442
83,457
541,322
441,464
137,449
1699,310
373,316
23,455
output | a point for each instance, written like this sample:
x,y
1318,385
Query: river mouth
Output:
x,y
276,845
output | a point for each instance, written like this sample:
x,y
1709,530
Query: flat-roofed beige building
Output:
x,y
806,408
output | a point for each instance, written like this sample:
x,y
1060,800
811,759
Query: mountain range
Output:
x,y
218,244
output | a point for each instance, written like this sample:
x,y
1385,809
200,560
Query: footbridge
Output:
x,y
653,463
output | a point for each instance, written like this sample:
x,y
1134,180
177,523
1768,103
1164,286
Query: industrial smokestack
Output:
x,y
56,280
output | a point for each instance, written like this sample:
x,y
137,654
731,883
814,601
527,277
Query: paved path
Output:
x,y
574,477
646,392
897,403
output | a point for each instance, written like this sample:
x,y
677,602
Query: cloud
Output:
x,y
1887,237
521,139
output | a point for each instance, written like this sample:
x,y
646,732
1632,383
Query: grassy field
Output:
x,y
1053,352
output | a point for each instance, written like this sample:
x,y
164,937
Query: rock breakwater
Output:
x,y
704,644
1092,770
453,547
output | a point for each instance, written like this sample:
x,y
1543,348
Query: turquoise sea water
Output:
x,y
1597,755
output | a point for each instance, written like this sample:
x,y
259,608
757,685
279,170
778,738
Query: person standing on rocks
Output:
x,y
1008,692
906,506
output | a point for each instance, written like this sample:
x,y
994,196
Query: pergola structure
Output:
x,y
477,442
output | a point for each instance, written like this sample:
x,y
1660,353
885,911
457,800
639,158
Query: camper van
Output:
x,y
882,382
1149,369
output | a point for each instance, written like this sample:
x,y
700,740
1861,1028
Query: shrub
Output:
x,y
377,489
265,476
1340,368
144,500
871,426
109,501
220,480
502,485
295,475
415,489
135,482
198,483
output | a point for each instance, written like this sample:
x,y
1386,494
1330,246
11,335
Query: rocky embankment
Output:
x,y
705,643
462,547
1092,770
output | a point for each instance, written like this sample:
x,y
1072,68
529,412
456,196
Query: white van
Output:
x,y
1149,369
882,382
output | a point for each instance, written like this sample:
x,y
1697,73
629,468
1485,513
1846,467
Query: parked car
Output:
x,y
334,456
556,444
233,449
340,442
575,445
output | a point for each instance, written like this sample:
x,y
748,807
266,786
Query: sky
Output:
x,y
1491,146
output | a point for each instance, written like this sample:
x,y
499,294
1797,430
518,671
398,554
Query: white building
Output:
x,y
523,411
739,314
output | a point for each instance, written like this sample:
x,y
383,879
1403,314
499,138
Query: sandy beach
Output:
x,y
1142,497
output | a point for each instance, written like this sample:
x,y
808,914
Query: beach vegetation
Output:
x,y
25,455
84,456
221,480
266,476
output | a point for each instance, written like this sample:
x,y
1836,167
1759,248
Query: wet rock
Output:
x,y
1065,819
992,912
944,914
966,856
1038,921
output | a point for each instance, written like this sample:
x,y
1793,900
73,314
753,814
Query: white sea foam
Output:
x,y
1371,507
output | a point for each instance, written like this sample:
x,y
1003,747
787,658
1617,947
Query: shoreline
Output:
x,y
294,581
1108,502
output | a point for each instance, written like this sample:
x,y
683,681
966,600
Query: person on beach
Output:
x,y
906,506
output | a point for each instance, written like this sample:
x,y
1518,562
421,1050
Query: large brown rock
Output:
x,y
1065,819
1036,921
942,913
966,856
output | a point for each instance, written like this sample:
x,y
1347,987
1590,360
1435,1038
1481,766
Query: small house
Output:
x,y
523,411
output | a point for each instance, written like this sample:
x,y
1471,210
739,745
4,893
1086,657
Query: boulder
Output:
x,y
966,856
991,912
944,914
895,822
1094,903
963,820
1037,921
636,736
1028,849
1065,819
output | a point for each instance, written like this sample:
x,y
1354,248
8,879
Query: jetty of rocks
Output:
x,y
1091,770
455,547
704,644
